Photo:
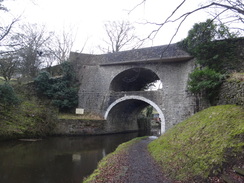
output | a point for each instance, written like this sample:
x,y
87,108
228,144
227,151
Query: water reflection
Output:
x,y
55,160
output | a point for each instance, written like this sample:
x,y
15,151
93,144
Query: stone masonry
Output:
x,y
231,92
111,85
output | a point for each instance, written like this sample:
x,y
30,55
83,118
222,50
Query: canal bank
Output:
x,y
207,147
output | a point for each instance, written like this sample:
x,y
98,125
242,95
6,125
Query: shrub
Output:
x,y
204,81
62,90
42,82
214,51
7,95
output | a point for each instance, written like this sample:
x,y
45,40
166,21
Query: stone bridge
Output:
x,y
113,85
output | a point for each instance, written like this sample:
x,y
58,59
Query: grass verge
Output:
x,y
200,145
87,116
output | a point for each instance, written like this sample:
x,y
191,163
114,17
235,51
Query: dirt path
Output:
x,y
132,165
141,166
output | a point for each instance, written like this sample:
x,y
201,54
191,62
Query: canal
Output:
x,y
55,159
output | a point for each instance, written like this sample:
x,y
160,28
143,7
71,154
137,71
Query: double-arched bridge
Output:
x,y
113,85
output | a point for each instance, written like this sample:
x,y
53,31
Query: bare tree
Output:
x,y
33,50
1,6
62,45
121,35
5,28
228,12
8,59
8,65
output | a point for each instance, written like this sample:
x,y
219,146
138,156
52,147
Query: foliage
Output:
x,y
43,82
62,90
214,56
149,111
203,42
200,33
217,55
204,81
7,96
68,72
198,146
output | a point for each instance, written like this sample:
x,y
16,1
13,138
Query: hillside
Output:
x,y
31,117
205,145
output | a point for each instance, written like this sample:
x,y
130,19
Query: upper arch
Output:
x,y
134,79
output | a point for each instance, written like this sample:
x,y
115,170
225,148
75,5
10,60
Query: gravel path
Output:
x,y
141,166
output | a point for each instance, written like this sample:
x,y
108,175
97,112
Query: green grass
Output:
x,y
28,119
76,116
197,147
12,81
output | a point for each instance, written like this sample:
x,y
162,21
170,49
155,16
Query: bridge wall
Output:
x,y
174,100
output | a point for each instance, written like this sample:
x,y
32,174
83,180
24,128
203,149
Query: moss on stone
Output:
x,y
197,147
236,77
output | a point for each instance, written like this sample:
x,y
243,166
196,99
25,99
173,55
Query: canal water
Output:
x,y
55,159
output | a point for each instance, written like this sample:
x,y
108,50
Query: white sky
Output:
x,y
85,18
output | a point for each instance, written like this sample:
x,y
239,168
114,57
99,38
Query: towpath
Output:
x,y
134,165
142,168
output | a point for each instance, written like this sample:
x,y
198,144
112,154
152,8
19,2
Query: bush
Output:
x,y
205,81
42,82
214,48
7,96
62,91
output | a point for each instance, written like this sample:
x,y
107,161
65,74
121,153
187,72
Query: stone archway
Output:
x,y
133,79
139,98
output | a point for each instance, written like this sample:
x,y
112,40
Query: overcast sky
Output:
x,y
86,17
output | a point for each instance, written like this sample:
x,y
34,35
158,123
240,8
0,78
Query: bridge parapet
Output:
x,y
150,95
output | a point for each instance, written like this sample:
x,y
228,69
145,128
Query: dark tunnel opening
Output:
x,y
136,79
130,115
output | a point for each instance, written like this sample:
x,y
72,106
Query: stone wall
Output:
x,y
86,127
174,101
80,127
231,92
98,73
